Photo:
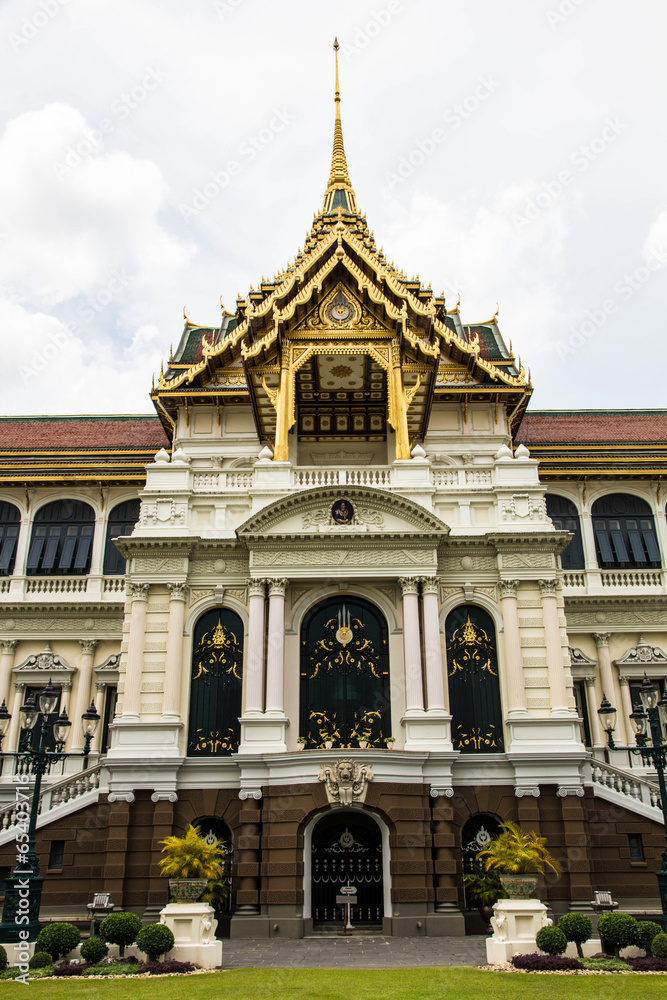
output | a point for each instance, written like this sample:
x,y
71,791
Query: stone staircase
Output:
x,y
56,801
625,788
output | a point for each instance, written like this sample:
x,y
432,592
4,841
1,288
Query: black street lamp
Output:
x,y
655,713
23,891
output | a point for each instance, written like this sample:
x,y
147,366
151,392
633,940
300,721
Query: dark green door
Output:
x,y
344,674
474,689
215,684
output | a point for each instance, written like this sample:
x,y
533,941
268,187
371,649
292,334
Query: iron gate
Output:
x,y
347,850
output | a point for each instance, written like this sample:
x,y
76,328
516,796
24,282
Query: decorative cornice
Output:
x,y
642,653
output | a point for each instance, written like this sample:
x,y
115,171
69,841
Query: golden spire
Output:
x,y
339,193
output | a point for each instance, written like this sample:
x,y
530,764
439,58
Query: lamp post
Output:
x,y
23,891
655,713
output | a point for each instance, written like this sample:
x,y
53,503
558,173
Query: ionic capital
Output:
x,y
278,586
256,588
508,588
601,638
88,646
430,584
409,585
9,645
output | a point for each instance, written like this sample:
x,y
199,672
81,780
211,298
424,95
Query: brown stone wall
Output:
x,y
115,846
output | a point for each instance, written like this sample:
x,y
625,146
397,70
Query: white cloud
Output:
x,y
70,219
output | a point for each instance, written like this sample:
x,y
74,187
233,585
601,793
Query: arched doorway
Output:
x,y
477,832
344,674
347,850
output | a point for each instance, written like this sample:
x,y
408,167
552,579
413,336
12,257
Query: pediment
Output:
x,y
354,511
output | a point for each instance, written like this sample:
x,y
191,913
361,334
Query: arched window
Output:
x,y
565,517
474,688
122,520
10,522
62,539
624,532
344,674
215,684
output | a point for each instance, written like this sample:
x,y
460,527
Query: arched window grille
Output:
x,y
565,517
122,520
62,539
476,833
625,532
215,684
474,687
10,523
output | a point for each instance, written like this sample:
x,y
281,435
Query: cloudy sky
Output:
x,y
156,154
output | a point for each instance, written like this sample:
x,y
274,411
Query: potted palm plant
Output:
x,y
518,858
190,862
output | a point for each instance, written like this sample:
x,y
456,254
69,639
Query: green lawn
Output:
x,y
351,984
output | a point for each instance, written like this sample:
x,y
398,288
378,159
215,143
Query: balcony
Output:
x,y
35,589
608,582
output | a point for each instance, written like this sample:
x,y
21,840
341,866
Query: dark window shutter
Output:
x,y
605,546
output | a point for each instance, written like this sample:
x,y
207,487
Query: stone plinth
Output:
x,y
516,923
193,926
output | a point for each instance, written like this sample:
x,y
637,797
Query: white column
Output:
x,y
135,651
83,692
604,661
275,654
516,690
626,712
414,690
554,647
435,687
6,664
593,717
254,673
12,738
100,689
173,663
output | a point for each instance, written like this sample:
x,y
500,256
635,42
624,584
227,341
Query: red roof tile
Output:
x,y
81,432
593,426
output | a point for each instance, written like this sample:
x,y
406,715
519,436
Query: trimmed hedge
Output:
x,y
646,931
155,940
544,963
618,930
648,964
120,929
3,958
93,950
659,946
577,928
58,939
40,960
552,940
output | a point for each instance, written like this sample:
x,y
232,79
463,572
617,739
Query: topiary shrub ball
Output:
x,y
577,928
646,931
93,950
155,940
619,930
120,929
57,939
551,940
40,960
659,946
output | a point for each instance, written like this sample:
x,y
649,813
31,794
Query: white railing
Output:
x,y
66,790
630,578
56,585
445,477
632,786
574,579
222,481
4,586
113,584
369,476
